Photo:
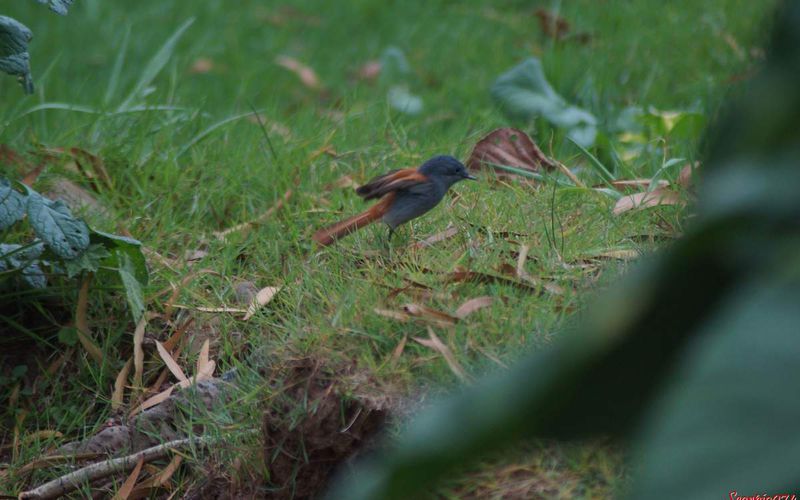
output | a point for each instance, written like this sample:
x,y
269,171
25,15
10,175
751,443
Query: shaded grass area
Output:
x,y
181,174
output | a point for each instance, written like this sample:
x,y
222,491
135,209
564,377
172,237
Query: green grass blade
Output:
x,y
594,162
156,64
113,80
202,135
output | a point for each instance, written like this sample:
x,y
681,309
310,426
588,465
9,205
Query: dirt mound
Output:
x,y
314,426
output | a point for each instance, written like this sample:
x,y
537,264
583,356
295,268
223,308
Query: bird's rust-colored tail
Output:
x,y
328,235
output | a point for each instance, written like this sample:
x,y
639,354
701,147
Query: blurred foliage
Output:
x,y
692,358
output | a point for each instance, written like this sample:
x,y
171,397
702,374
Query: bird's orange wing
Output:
x,y
389,182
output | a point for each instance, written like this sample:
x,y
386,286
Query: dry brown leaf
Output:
x,y
472,305
398,351
304,72
33,174
370,71
82,321
638,201
118,396
159,479
91,166
192,256
223,309
246,226
171,363
201,66
386,313
618,254
10,157
630,184
552,25
429,314
685,176
157,399
435,238
437,345
262,298
509,147
127,487
138,352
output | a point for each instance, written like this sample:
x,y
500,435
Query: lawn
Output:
x,y
225,134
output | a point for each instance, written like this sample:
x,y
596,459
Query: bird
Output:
x,y
403,194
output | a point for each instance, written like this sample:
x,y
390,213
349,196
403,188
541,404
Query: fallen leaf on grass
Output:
x,y
10,157
435,238
223,309
118,396
138,351
32,175
398,351
635,184
510,147
201,66
429,314
437,345
552,25
171,364
638,201
127,487
370,71
618,254
472,305
387,313
90,165
158,480
307,75
262,298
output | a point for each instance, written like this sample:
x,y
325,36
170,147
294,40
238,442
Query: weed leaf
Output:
x,y
54,224
12,205
524,93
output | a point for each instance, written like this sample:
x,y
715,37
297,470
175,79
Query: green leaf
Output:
x,y
54,224
68,336
155,65
24,259
404,101
14,57
58,6
118,245
12,205
133,288
19,371
715,408
524,93
89,260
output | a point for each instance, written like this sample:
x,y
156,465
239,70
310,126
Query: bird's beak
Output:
x,y
471,177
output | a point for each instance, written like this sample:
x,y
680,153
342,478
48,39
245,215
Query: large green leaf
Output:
x,y
54,224
24,260
12,205
14,57
122,245
734,395
524,93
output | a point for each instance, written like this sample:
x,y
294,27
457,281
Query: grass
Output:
x,y
200,165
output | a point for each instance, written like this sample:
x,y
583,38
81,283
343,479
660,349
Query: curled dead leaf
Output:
x,y
429,314
370,71
262,298
201,66
638,201
552,25
472,305
509,147
437,345
631,184
396,315
305,73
